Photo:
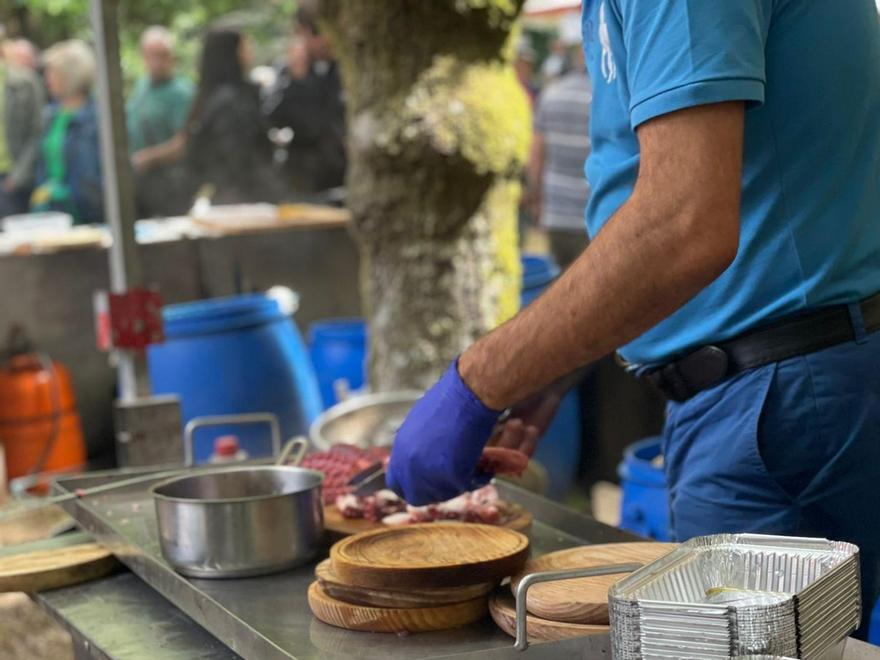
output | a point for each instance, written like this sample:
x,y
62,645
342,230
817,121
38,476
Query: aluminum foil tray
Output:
x,y
738,594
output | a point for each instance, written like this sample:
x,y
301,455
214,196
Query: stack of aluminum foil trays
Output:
x,y
738,594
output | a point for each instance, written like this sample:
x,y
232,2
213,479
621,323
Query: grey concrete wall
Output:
x,y
52,296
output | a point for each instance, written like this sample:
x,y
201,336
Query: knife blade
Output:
x,y
369,480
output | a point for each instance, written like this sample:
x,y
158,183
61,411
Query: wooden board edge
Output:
x,y
61,576
494,570
394,620
502,609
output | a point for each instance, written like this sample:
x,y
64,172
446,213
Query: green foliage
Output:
x,y
48,21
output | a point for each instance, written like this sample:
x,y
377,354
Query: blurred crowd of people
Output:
x,y
240,133
224,136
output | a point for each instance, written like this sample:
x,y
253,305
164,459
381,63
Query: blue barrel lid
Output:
x,y
538,270
219,314
637,466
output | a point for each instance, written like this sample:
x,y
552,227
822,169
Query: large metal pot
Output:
x,y
364,421
240,521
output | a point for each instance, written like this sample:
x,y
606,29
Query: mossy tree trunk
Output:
x,y
438,133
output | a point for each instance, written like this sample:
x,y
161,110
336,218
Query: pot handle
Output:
x,y
522,640
222,420
294,451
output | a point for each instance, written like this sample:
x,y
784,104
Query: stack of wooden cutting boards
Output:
x,y
570,608
415,578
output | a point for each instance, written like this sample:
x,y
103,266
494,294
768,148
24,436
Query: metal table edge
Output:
x,y
244,640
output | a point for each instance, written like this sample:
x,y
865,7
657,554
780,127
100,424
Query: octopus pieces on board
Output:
x,y
340,463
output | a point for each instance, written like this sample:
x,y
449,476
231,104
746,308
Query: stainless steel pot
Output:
x,y
240,521
364,421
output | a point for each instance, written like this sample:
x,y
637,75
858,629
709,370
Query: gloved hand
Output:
x,y
435,453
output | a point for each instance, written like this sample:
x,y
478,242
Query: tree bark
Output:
x,y
439,129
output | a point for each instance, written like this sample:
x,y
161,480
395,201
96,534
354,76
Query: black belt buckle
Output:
x,y
695,372
703,368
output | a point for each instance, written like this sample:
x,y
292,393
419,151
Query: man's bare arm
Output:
x,y
678,231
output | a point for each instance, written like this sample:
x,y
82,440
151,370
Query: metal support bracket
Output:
x,y
522,641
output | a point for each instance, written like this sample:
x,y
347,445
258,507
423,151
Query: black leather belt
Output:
x,y
790,337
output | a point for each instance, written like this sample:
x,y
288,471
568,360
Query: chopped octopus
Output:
x,y
340,463
481,506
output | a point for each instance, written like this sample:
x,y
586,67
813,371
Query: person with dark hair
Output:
x,y
227,142
308,98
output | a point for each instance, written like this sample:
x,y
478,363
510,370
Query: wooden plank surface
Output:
x,y
287,216
30,523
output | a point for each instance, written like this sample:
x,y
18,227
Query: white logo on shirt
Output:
x,y
609,68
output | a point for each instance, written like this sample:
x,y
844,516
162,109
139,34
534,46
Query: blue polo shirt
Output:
x,y
809,71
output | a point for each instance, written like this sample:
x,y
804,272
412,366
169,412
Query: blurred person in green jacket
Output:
x,y
21,107
156,112
68,173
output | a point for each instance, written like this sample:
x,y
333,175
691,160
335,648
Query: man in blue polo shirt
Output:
x,y
735,261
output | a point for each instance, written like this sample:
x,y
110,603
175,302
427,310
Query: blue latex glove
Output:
x,y
436,450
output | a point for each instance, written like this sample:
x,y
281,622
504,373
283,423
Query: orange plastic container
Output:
x,y
34,401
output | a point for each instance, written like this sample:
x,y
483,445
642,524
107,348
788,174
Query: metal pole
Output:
x,y
125,267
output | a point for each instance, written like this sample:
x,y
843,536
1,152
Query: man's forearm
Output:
x,y
660,249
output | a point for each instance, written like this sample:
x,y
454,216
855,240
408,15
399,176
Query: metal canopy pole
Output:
x,y
148,428
125,266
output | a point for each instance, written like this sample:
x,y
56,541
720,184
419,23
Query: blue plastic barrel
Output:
x,y
338,348
235,355
645,505
560,449
874,627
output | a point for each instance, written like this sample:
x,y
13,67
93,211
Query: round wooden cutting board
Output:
x,y
60,567
384,619
334,521
429,555
582,600
502,607
335,588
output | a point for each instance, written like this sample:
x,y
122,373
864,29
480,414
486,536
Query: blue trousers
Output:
x,y
790,448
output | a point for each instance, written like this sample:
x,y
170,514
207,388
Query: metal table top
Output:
x,y
121,618
269,617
